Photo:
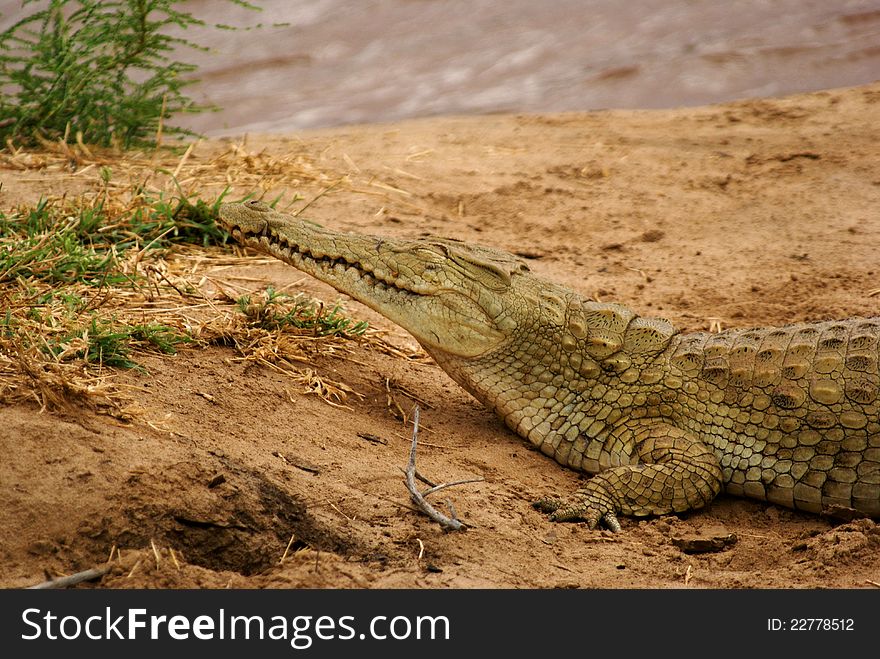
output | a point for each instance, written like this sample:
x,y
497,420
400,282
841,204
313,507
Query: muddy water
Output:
x,y
343,61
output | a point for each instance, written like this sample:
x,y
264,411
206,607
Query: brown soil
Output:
x,y
758,212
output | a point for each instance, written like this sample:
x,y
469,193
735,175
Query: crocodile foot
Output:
x,y
580,508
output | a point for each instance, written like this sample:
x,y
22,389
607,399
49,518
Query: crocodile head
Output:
x,y
455,299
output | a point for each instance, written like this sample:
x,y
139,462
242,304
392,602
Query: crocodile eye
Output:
x,y
257,205
432,252
485,269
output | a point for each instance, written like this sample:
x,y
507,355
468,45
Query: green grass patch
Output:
x,y
64,241
59,258
180,220
64,263
274,311
106,342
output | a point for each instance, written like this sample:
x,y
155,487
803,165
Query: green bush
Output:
x,y
98,68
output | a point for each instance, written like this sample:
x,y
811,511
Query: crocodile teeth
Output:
x,y
380,278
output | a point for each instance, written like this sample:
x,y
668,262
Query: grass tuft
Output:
x,y
106,342
276,311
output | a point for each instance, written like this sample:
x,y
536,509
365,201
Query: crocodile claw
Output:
x,y
547,505
581,510
610,520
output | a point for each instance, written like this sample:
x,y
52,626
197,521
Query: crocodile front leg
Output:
x,y
670,471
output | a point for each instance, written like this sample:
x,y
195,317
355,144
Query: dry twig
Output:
x,y
73,579
287,548
447,523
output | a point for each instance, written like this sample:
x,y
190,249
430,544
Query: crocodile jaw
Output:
x,y
412,283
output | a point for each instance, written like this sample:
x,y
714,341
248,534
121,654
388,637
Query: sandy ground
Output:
x,y
750,213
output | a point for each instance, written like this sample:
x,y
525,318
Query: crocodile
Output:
x,y
663,420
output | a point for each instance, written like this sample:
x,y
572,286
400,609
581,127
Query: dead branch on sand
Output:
x,y
73,579
447,523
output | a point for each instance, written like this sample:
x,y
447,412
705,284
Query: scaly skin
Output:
x,y
665,421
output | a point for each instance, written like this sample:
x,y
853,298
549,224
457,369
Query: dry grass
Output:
x,y
130,261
